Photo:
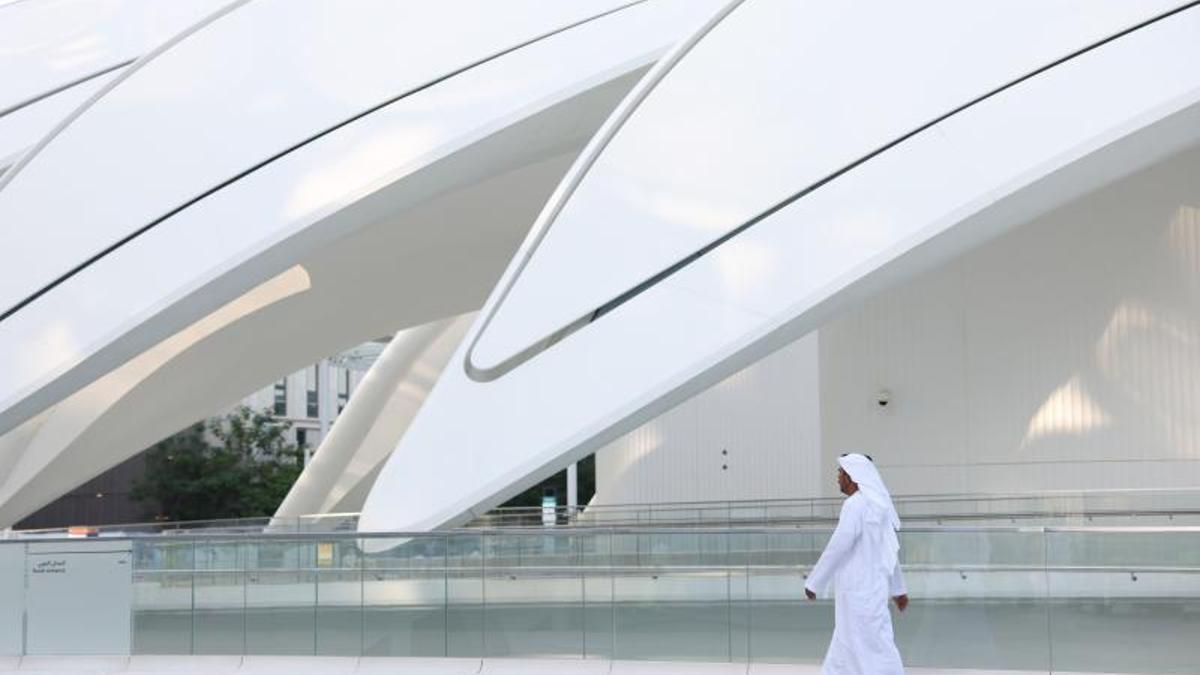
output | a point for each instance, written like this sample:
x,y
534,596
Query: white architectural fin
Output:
x,y
216,105
776,99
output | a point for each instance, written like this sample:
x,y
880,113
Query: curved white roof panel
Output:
x,y
57,54
49,45
776,98
531,105
26,125
1071,128
225,100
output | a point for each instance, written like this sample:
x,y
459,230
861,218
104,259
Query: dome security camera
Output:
x,y
883,399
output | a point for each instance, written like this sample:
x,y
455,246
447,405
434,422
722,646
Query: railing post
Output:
x,y
750,603
483,595
728,597
362,596
446,594
316,575
242,556
192,614
577,546
1048,598
612,596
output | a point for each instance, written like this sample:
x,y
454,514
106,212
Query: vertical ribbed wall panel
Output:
x,y
1064,355
754,435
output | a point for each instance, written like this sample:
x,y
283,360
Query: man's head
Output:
x,y
845,483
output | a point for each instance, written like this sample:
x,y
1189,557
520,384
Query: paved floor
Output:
x,y
332,665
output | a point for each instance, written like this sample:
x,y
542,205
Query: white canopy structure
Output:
x,y
278,165
283,179
733,201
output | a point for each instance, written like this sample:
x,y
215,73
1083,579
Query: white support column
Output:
x,y
572,490
326,397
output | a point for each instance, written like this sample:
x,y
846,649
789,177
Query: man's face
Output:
x,y
847,486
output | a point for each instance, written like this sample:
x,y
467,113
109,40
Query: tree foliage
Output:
x,y
237,466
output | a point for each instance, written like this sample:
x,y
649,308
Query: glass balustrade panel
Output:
x,y
670,604
464,593
281,597
162,596
533,596
338,616
977,600
599,611
219,597
404,596
1124,602
783,626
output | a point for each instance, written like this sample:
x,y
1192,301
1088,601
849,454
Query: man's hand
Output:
x,y
901,602
809,594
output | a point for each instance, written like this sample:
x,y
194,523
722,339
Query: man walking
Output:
x,y
861,560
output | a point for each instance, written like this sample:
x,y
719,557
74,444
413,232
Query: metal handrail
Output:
x,y
602,516
916,497
920,517
1056,504
206,535
552,571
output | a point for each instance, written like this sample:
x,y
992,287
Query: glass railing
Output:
x,y
1111,600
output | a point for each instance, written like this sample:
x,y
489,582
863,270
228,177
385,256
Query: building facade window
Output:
x,y
281,397
314,388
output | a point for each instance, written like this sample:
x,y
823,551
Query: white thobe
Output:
x,y
863,643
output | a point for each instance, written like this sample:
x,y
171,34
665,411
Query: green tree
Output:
x,y
238,466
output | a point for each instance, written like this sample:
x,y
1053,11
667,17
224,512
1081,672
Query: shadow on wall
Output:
x,y
1134,394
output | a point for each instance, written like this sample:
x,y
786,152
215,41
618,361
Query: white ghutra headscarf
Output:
x,y
870,484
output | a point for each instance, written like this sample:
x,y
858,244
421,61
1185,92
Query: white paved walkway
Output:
x,y
276,665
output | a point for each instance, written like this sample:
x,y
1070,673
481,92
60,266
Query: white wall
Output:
x,y
766,417
1065,355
